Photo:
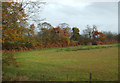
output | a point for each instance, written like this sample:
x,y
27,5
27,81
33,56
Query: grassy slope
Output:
x,y
70,63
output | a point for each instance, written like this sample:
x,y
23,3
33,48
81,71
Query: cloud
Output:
x,y
78,13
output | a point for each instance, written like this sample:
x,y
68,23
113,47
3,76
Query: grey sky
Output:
x,y
79,14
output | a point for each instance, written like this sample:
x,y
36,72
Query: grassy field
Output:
x,y
66,64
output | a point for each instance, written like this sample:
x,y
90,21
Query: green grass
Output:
x,y
66,64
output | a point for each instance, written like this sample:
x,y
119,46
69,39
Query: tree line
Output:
x,y
17,36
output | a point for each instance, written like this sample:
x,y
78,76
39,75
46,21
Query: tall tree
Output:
x,y
75,34
88,32
11,18
65,26
33,9
46,25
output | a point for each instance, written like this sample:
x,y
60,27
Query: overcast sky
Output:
x,y
79,14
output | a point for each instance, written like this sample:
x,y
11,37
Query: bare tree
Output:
x,y
46,25
88,32
33,9
65,25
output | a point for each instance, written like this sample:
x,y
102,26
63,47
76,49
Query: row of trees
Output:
x,y
16,35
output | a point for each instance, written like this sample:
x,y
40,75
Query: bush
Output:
x,y
94,42
9,59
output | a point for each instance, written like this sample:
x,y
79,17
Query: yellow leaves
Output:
x,y
10,14
11,34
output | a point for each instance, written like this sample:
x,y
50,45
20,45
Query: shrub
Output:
x,y
9,59
94,42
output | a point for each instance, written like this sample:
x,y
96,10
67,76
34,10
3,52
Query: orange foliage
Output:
x,y
98,35
10,15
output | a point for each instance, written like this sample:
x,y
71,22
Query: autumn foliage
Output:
x,y
11,19
16,37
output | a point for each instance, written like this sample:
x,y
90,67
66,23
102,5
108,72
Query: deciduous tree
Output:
x,y
11,18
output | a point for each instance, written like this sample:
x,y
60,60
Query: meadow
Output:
x,y
65,64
